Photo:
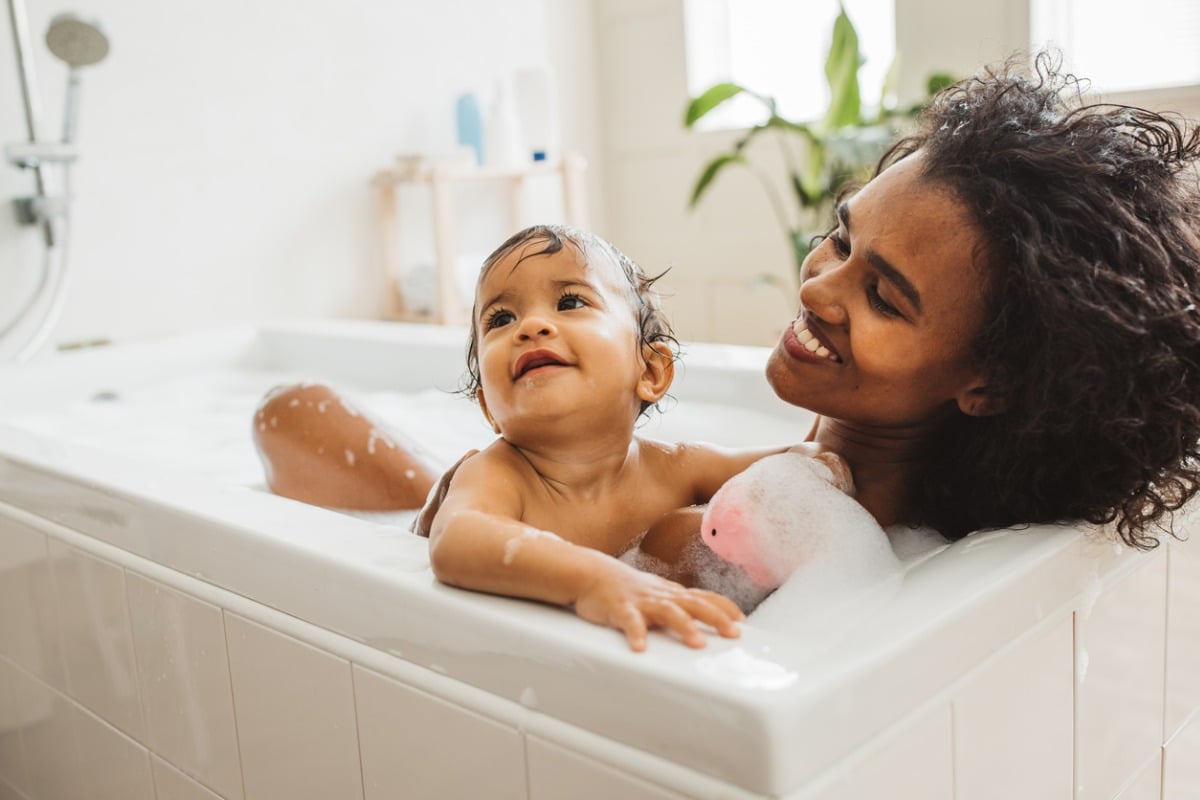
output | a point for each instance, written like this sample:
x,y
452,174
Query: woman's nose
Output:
x,y
823,294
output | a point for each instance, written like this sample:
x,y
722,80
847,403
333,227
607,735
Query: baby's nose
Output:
x,y
534,325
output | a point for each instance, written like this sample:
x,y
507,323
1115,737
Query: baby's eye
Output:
x,y
497,319
569,302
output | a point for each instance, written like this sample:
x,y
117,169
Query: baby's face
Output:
x,y
557,339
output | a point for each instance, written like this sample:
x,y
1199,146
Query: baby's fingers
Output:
x,y
715,610
669,615
632,623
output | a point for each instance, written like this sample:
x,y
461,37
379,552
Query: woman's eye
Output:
x,y
879,304
497,319
569,302
840,244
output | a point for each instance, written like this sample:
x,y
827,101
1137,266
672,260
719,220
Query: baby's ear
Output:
x,y
479,398
659,370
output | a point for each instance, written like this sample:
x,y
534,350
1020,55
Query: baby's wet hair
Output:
x,y
653,327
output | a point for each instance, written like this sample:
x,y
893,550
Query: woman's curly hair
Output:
x,y
1090,215
653,327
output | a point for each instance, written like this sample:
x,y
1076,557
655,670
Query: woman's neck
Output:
x,y
886,464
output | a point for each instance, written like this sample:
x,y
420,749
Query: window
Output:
x,y
777,48
1122,46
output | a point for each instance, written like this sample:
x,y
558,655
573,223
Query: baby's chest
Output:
x,y
609,524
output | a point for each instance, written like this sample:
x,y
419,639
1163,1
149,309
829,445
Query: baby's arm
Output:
x,y
478,542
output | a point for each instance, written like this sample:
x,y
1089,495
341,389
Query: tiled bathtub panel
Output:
x,y
181,657
556,772
1021,706
12,760
48,739
295,716
111,765
1183,633
413,744
28,613
171,784
1181,763
1119,669
916,761
96,638
1147,785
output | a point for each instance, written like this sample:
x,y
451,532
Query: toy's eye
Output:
x,y
714,531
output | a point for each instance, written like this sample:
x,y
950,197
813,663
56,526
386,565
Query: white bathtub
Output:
x,y
170,630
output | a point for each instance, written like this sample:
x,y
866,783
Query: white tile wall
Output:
x,y
171,784
403,734
295,716
915,761
12,762
48,738
111,765
8,792
96,638
1183,633
1148,784
1119,666
1021,706
28,613
1181,764
179,644
556,773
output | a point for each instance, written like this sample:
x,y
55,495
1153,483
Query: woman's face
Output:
x,y
889,305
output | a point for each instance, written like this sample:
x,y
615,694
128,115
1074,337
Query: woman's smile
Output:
x,y
805,341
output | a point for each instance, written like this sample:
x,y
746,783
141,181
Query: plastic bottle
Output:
x,y
470,124
537,110
502,134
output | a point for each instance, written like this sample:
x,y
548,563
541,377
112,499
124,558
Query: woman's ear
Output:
x,y
978,400
658,371
479,398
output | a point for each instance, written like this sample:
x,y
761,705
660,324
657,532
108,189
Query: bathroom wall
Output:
x,y
227,147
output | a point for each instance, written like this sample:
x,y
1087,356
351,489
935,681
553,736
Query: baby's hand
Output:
x,y
633,601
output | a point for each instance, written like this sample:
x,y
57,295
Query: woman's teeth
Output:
x,y
810,343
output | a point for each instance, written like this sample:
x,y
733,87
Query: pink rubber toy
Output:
x,y
778,513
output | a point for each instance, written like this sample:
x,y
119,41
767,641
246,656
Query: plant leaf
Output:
x,y
712,97
938,81
710,172
841,71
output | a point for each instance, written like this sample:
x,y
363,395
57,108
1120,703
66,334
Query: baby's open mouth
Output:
x,y
535,359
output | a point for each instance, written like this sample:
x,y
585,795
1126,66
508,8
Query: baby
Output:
x,y
568,348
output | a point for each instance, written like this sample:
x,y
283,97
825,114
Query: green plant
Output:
x,y
843,145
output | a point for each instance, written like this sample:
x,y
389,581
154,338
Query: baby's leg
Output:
x,y
316,447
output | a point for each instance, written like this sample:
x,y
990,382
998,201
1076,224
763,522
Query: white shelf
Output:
x,y
440,176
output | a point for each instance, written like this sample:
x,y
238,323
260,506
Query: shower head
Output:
x,y
76,41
